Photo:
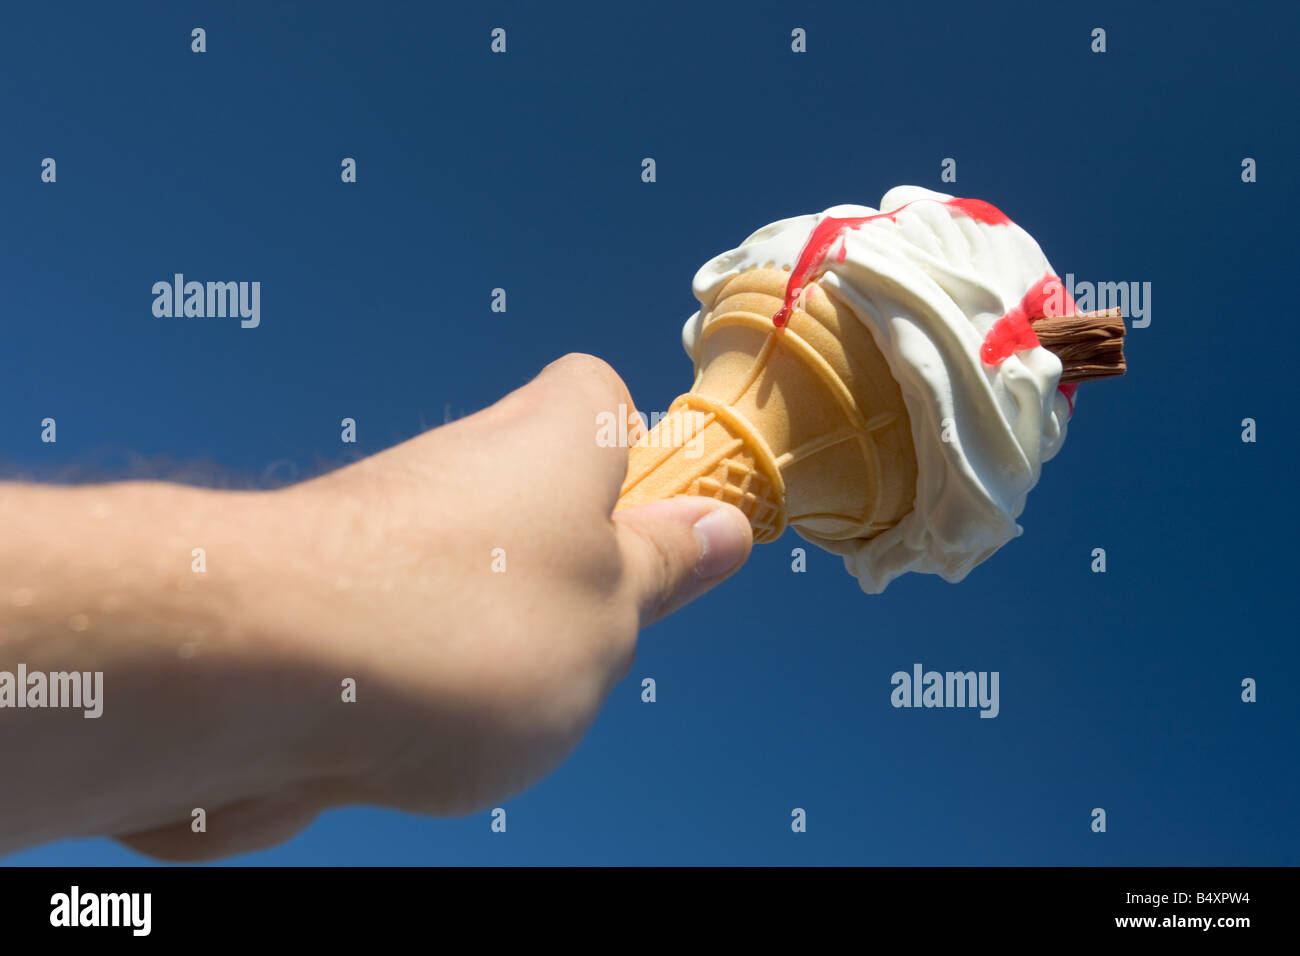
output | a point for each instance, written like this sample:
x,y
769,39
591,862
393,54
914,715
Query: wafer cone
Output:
x,y
802,426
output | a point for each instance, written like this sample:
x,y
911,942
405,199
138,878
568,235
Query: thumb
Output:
x,y
677,549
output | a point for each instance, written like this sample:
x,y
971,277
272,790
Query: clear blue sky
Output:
x,y
522,171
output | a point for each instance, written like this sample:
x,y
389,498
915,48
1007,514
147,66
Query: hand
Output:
x,y
477,670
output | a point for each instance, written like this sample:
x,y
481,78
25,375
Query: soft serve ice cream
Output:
x,y
948,289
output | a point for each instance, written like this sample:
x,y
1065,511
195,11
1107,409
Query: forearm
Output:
x,y
162,590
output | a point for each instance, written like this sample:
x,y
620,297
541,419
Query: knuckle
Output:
x,y
582,362
583,366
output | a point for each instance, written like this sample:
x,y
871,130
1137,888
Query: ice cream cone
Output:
x,y
802,425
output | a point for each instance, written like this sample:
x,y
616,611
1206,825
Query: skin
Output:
x,y
223,689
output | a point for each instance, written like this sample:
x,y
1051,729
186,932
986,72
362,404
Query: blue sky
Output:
x,y
1118,690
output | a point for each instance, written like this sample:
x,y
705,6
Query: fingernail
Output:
x,y
724,541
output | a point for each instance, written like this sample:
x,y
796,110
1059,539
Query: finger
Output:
x,y
238,828
578,415
675,550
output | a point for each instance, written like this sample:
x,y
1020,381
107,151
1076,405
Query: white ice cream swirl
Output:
x,y
929,283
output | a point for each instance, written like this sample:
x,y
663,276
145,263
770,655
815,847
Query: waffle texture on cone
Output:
x,y
801,426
